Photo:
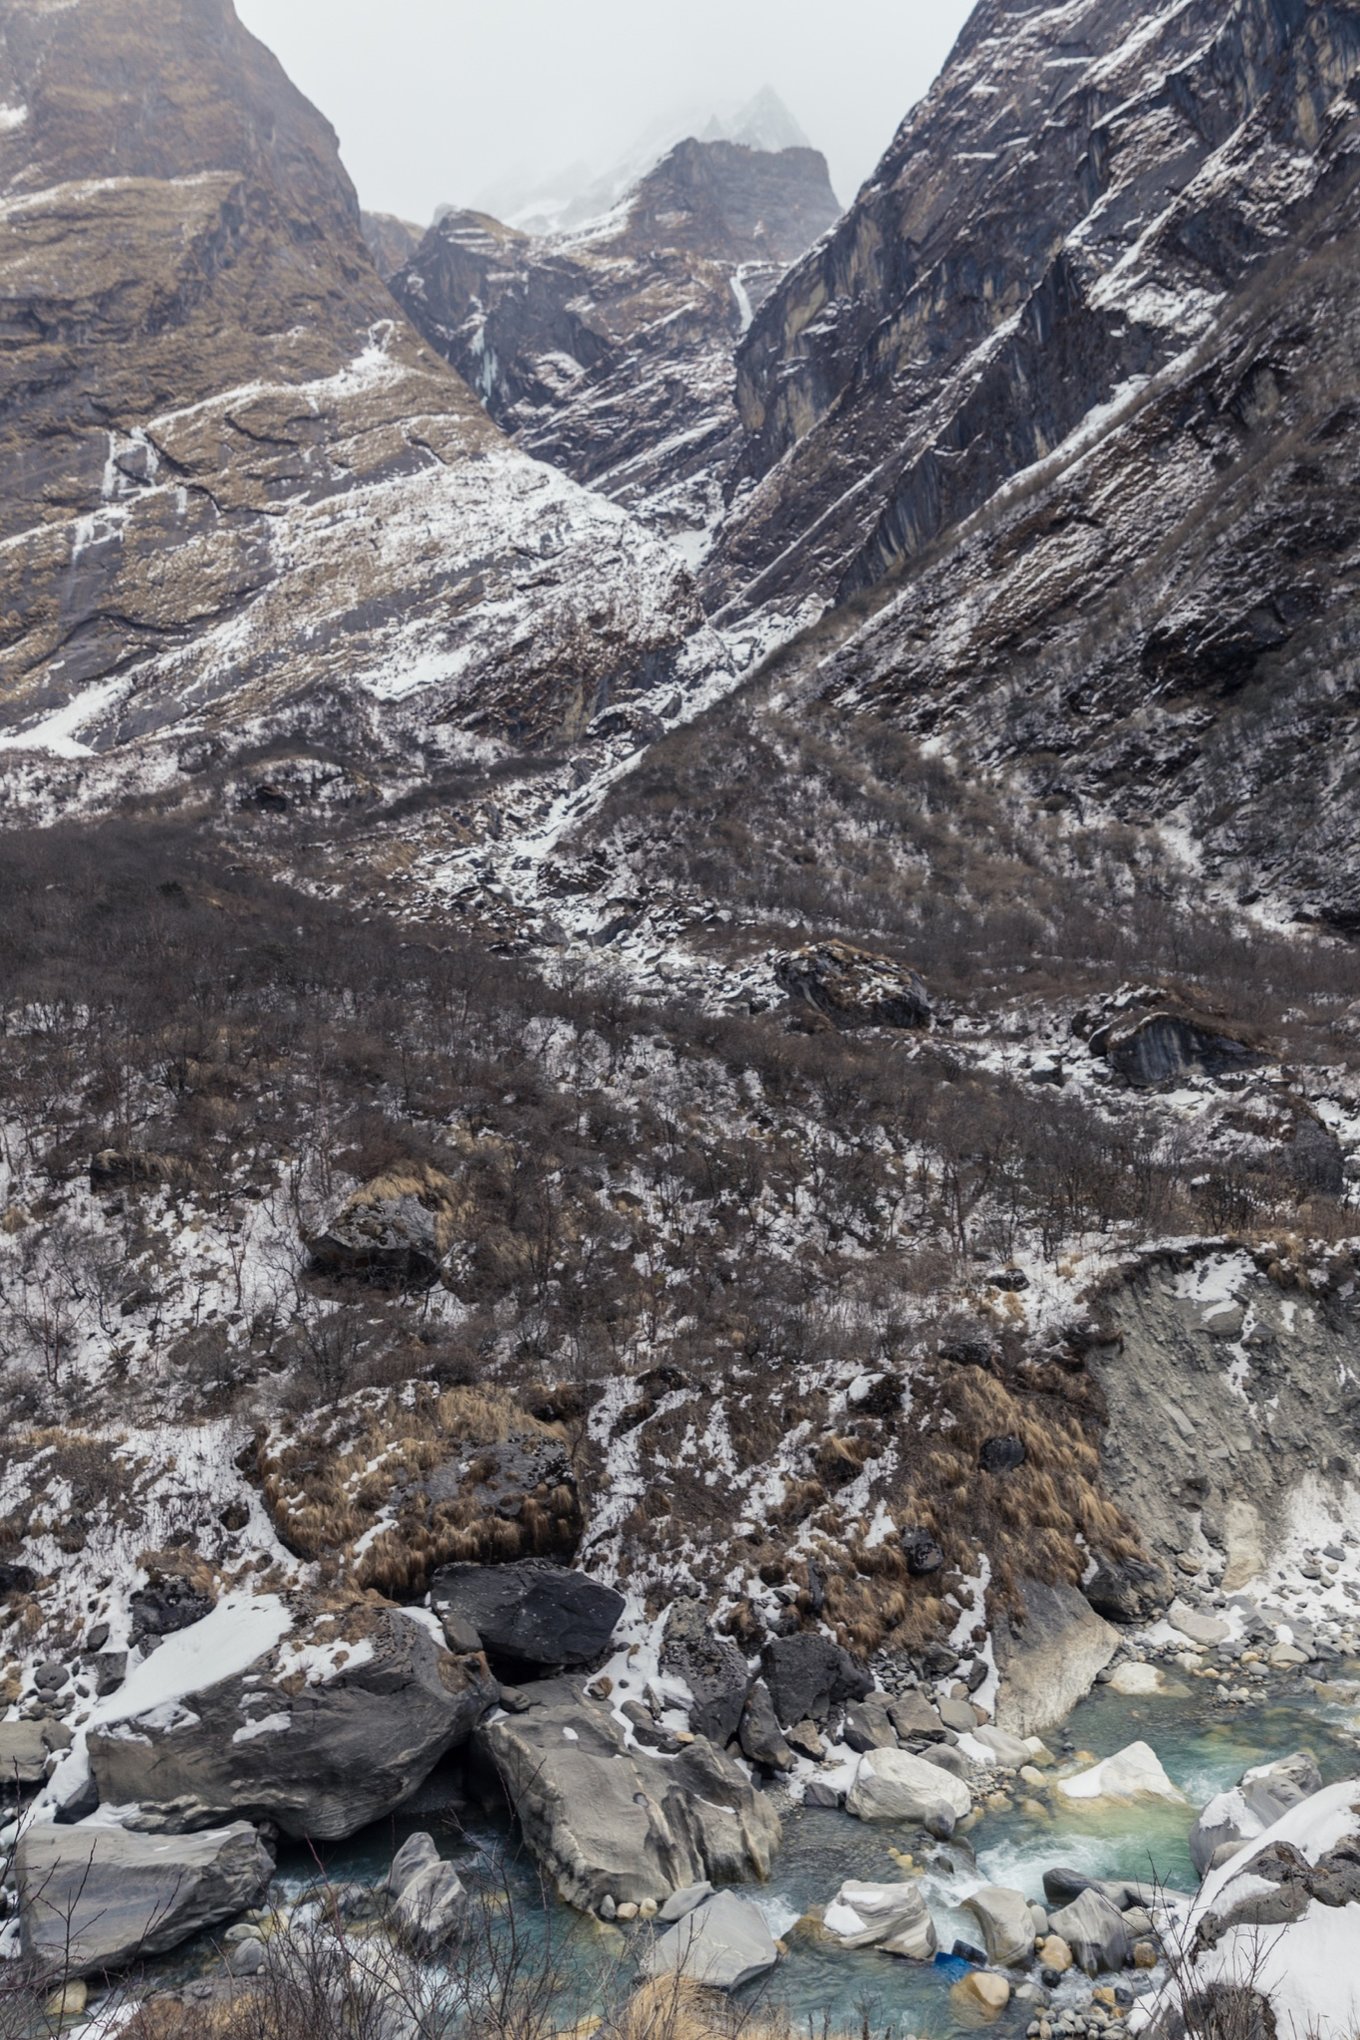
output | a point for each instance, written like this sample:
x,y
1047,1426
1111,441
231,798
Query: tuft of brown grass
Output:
x,y
421,1456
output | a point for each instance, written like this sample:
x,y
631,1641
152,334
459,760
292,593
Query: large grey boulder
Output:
x,y
893,1917
27,1749
532,1614
1255,1803
895,1785
97,1898
607,1822
1006,1922
721,1945
319,1760
713,1669
854,987
808,1674
393,1233
429,1900
1048,1660
1095,1932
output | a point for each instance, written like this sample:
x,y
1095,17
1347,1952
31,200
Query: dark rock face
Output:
x,y
713,1669
394,1233
161,1609
531,1616
855,987
762,1740
93,1899
808,1674
1072,370
922,1553
1158,1048
1001,1455
230,405
609,351
390,240
321,1761
1128,1590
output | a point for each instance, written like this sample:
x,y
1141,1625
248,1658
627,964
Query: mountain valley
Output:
x,y
680,1121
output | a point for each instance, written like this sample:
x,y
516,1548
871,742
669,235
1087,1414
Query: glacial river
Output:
x,y
1202,1747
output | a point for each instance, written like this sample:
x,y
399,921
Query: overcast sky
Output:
x,y
442,100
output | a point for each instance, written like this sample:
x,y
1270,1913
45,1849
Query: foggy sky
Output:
x,y
439,100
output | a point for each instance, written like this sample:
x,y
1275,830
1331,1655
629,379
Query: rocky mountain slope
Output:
x,y
1065,394
735,1260
239,496
608,352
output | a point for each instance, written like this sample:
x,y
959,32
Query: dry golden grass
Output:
x,y
328,1479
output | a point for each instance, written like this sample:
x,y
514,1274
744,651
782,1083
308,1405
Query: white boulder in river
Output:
x,y
894,1785
1133,1773
893,1917
722,1944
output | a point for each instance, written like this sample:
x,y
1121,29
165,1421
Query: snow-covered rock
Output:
x,y
1259,1798
1282,1920
1132,1773
327,1731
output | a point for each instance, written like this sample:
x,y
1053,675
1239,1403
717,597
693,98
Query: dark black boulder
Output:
x,y
1002,1455
807,1674
532,1615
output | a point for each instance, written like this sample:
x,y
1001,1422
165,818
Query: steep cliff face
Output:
x,y
609,352
1067,394
1073,204
236,491
390,240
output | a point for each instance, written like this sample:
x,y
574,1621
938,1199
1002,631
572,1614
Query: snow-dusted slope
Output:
x,y
238,495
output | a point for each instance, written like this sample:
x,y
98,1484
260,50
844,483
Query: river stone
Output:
x,y
808,1674
868,1725
531,1614
1010,1750
608,1822
1255,1803
27,1748
982,1993
428,1897
92,1899
712,1667
721,1945
895,1785
1132,1773
1053,1953
915,1719
1049,1661
1007,1927
322,1761
893,1917
1095,1932
681,1902
1206,1630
